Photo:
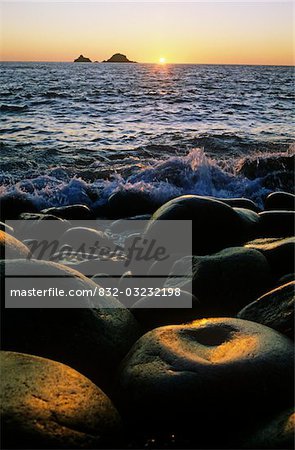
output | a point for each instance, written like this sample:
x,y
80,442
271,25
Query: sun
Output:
x,y
162,60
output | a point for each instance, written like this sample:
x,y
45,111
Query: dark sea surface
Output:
x,y
76,133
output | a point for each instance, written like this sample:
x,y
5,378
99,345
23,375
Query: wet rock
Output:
x,y
244,203
91,333
131,203
6,228
278,252
219,369
155,311
46,404
87,239
12,248
12,205
224,282
215,225
276,224
274,309
34,226
280,201
71,212
278,433
260,167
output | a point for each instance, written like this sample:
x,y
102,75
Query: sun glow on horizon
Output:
x,y
161,33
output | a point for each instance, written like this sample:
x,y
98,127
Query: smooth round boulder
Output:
x,y
71,212
276,224
12,248
278,433
224,282
86,239
12,205
88,331
39,227
131,203
215,225
211,371
244,203
45,404
278,252
274,309
280,201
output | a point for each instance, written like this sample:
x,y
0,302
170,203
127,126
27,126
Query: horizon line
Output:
x,y
154,63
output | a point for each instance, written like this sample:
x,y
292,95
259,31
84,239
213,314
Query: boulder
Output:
x,y
131,203
6,228
274,309
211,371
215,225
13,204
34,226
278,252
280,201
71,212
278,433
260,167
89,239
276,224
91,333
12,248
224,282
244,203
45,404
82,59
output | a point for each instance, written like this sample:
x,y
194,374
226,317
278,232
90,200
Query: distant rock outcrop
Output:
x,y
82,59
119,58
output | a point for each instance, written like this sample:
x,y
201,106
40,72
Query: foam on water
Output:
x,y
160,180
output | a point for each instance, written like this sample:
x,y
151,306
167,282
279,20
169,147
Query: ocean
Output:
x,y
76,133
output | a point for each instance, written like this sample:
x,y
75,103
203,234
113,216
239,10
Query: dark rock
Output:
x,y
278,433
156,311
12,205
277,224
224,282
82,59
118,58
219,369
131,203
280,201
260,167
278,252
46,404
77,237
285,279
91,336
274,309
12,248
33,226
71,212
239,203
215,225
6,228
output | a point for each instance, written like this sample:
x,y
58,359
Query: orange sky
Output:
x,y
229,33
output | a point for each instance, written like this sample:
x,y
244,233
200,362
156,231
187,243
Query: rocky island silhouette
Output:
x,y
83,59
116,58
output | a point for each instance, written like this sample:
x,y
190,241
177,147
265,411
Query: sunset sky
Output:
x,y
229,33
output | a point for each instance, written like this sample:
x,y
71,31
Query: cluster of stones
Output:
x,y
217,375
